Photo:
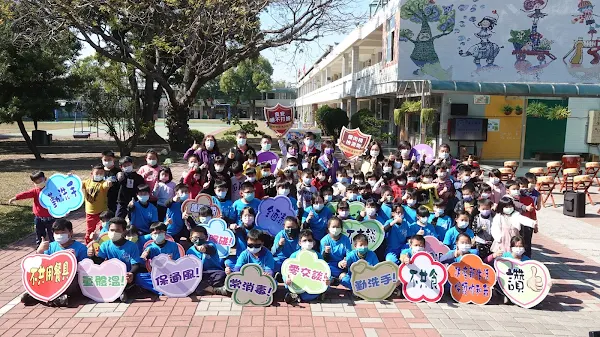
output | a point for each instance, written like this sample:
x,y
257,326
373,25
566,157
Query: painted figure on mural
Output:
x,y
576,59
424,54
485,49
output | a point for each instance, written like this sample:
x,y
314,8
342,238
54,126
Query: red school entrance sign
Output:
x,y
353,143
279,118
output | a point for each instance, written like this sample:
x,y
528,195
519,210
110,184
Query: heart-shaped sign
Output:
x,y
355,208
435,247
221,236
176,278
192,206
333,207
525,283
45,277
471,280
308,273
373,229
168,238
423,278
250,286
374,283
102,283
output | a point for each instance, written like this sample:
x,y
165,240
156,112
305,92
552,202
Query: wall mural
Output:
x,y
491,40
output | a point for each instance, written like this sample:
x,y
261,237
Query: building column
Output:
x,y
353,107
355,62
344,64
344,105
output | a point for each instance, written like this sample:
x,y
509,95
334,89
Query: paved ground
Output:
x,y
568,246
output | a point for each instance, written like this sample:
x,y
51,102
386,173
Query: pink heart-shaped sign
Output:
x,y
176,278
525,283
102,283
45,277
435,247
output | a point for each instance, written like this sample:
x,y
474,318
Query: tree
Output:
x,y
197,40
247,80
210,91
33,77
369,124
331,120
112,98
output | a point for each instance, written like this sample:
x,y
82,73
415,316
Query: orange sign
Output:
x,y
471,280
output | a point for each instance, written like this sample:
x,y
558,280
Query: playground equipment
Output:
x,y
81,133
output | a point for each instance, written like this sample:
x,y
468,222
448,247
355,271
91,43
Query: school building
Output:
x,y
483,66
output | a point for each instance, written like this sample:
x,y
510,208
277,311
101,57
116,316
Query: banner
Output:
x,y
251,287
45,277
471,280
423,278
375,283
176,278
102,283
353,143
435,247
192,206
526,284
268,157
62,194
373,229
279,118
272,212
308,273
221,236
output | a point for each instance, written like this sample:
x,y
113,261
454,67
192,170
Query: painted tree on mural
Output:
x,y
424,55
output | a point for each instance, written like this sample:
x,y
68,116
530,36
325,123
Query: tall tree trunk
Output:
x,y
179,129
151,100
252,108
32,147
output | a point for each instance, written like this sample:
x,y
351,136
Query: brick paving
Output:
x,y
571,309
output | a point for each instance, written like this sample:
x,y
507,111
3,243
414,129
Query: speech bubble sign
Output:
x,y
308,273
250,287
421,150
221,236
355,208
471,280
102,283
525,283
268,157
192,206
61,195
45,277
435,247
176,278
373,229
374,283
423,279
272,212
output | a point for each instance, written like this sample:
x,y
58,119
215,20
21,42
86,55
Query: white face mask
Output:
x,y
416,249
251,179
306,181
152,162
283,192
371,211
335,231
192,165
241,141
204,219
209,144
343,214
518,251
397,164
485,195
248,219
254,250
114,236
508,210
404,153
374,153
306,245
251,161
462,224
464,247
128,169
318,207
266,173
108,164
387,169
61,238
219,168
372,182
514,193
309,142
423,220
495,180
443,155
98,178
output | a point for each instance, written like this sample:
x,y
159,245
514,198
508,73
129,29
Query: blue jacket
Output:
x,y
397,236
452,234
339,248
443,224
352,257
288,248
142,217
318,223
264,259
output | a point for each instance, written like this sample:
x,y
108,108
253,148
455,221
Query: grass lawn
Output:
x,y
14,128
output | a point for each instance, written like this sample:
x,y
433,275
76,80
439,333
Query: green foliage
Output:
x,y
246,81
428,115
369,124
407,107
250,127
197,135
541,110
520,37
507,109
331,120
518,110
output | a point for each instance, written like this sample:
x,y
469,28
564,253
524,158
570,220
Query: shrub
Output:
x,y
369,124
331,120
197,135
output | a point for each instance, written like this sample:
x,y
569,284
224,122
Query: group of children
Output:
x,y
468,211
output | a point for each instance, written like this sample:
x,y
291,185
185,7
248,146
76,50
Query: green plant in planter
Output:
x,y
537,109
507,109
559,112
518,110
407,107
428,115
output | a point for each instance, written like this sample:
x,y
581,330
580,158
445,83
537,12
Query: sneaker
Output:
x,y
221,291
291,298
61,301
124,298
278,278
505,300
323,297
27,299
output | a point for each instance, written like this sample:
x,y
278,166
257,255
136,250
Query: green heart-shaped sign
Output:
x,y
307,272
355,208
373,229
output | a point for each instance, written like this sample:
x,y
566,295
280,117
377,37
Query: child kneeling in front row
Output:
x,y
213,274
255,253
361,252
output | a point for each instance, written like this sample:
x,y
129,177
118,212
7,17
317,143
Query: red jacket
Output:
x,y
527,200
259,192
398,191
194,186
319,184
34,194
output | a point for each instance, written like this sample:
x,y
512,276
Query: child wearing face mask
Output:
x,y
468,198
237,179
213,274
252,162
309,148
256,253
386,201
218,172
523,204
485,192
411,178
444,184
110,173
371,212
417,244
439,220
268,180
247,200
530,211
517,250
222,201
422,225
361,252
159,245
95,193
163,191
195,181
305,189
252,177
375,182
128,182
462,248
316,216
193,164
285,243
241,229
410,209
151,170
498,188
342,181
334,248
307,243
343,211
328,162
506,224
461,227
352,193
399,184
358,178
284,188
141,212
292,151
364,190
320,180
327,194
482,228
397,233
387,169
104,222
131,234
531,180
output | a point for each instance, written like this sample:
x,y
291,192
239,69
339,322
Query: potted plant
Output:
x,y
519,38
507,109
428,115
559,112
518,110
537,109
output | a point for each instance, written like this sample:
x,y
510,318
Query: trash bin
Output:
x,y
49,139
39,137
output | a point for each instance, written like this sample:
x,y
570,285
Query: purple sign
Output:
x,y
102,283
268,157
176,278
424,149
272,212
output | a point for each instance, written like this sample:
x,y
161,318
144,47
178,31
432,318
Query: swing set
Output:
x,y
81,133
